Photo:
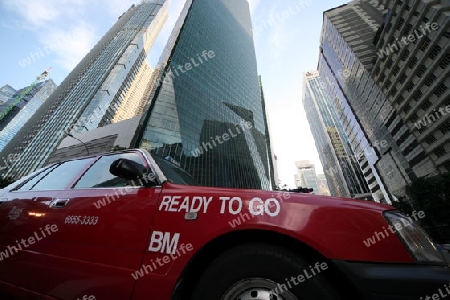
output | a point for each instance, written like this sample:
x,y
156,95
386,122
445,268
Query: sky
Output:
x,y
41,34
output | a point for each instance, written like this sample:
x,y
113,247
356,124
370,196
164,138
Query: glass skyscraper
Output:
x,y
388,92
414,76
28,106
92,93
6,92
346,53
306,176
207,113
342,172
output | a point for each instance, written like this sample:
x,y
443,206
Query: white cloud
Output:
x,y
118,7
58,26
70,46
253,5
38,13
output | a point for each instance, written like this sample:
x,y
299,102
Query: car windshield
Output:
x,y
173,172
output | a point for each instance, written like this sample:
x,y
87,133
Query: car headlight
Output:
x,y
419,244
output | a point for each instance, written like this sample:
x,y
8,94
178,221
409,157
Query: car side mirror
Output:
x,y
127,169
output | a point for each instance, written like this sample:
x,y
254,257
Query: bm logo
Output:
x,y
164,242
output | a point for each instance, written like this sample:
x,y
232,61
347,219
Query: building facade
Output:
x,y
323,185
206,111
347,45
136,97
6,93
342,171
306,176
275,180
383,92
412,68
24,110
102,139
92,93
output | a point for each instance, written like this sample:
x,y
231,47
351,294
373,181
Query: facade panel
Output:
x,y
26,109
389,98
92,93
207,112
342,171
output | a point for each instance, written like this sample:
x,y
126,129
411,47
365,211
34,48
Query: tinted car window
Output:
x,y
98,176
173,172
61,176
31,182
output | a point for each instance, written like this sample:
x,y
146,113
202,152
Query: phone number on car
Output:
x,y
81,220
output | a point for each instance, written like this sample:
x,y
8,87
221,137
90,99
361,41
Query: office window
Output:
x,y
425,43
410,86
445,128
440,151
441,89
431,139
413,62
432,78
426,105
435,52
421,70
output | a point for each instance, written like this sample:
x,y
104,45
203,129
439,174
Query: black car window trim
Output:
x,y
77,178
155,169
47,170
139,153
74,177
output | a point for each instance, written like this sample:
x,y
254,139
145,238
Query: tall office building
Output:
x,y
24,110
136,97
345,62
342,171
323,185
379,89
92,93
412,68
275,181
207,111
306,176
6,93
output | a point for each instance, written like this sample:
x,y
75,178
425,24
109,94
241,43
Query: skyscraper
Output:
x,y
6,93
342,171
323,185
207,111
412,68
306,176
389,93
272,157
135,98
92,93
24,110
345,62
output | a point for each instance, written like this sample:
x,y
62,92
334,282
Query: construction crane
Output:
x,y
5,112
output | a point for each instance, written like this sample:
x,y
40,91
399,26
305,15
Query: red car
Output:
x,y
132,225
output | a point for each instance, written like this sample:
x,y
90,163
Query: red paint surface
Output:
x,y
99,259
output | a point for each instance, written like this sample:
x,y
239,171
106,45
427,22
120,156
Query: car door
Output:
x,y
16,223
28,224
104,223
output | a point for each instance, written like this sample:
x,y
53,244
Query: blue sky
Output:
x,y
60,32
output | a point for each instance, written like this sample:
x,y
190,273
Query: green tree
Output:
x,y
118,148
431,195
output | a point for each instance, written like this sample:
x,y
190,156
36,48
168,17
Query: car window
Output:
x,y
173,172
98,176
31,182
60,177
